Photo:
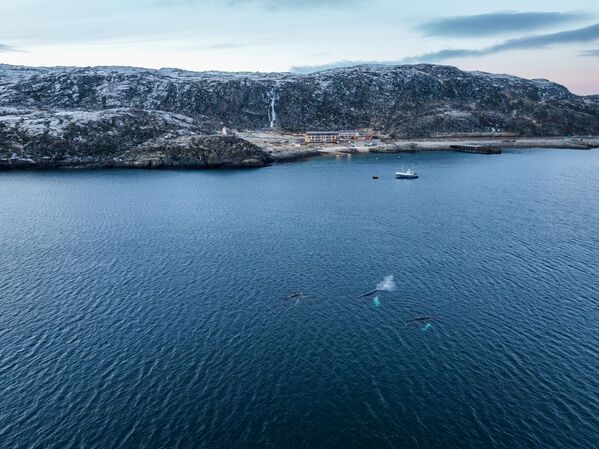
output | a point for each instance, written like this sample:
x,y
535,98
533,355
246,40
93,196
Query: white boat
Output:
x,y
406,174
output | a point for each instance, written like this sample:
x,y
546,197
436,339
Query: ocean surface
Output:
x,y
147,309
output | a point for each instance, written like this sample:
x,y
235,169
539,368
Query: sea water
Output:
x,y
148,308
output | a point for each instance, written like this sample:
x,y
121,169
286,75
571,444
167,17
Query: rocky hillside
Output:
x,y
33,138
406,100
110,112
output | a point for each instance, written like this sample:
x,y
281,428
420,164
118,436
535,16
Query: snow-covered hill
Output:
x,y
405,100
117,109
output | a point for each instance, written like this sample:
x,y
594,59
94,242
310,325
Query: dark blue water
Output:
x,y
145,309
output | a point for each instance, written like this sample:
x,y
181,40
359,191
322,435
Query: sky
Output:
x,y
556,40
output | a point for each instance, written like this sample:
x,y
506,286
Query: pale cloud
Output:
x,y
579,35
496,23
9,48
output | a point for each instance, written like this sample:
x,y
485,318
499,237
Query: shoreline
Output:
x,y
289,154
280,151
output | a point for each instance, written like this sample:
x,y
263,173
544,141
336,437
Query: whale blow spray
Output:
x,y
387,284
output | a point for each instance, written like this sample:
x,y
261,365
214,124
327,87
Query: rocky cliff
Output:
x,y
110,111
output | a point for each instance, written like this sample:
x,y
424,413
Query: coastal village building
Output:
x,y
349,135
321,137
334,136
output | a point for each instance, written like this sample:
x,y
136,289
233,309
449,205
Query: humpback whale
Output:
x,y
369,294
420,319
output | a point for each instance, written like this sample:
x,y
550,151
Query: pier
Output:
x,y
475,149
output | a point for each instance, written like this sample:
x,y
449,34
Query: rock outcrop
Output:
x,y
196,151
116,138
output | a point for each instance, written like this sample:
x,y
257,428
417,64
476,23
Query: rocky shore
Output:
x,y
446,144
280,151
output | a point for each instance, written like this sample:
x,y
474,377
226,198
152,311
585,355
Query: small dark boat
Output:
x,y
375,177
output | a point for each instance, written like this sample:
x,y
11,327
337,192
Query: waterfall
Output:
x,y
272,114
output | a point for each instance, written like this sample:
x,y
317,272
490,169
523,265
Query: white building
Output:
x,y
348,135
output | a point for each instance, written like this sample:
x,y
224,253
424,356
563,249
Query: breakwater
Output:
x,y
479,149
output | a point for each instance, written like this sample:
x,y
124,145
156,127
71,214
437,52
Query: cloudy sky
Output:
x,y
558,40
